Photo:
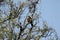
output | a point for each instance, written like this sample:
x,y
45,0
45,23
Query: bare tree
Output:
x,y
26,24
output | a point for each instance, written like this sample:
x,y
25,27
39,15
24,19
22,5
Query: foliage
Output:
x,y
16,24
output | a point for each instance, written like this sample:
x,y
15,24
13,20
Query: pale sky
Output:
x,y
51,13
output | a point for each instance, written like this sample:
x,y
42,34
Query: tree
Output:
x,y
26,24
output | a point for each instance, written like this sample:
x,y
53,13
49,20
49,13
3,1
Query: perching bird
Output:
x,y
29,19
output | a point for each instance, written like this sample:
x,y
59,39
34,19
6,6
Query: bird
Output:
x,y
29,20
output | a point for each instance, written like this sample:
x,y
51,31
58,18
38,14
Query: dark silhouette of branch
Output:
x,y
21,30
30,24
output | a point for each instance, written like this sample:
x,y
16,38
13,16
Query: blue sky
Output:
x,y
51,13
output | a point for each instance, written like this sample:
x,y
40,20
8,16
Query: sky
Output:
x,y
51,13
50,10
